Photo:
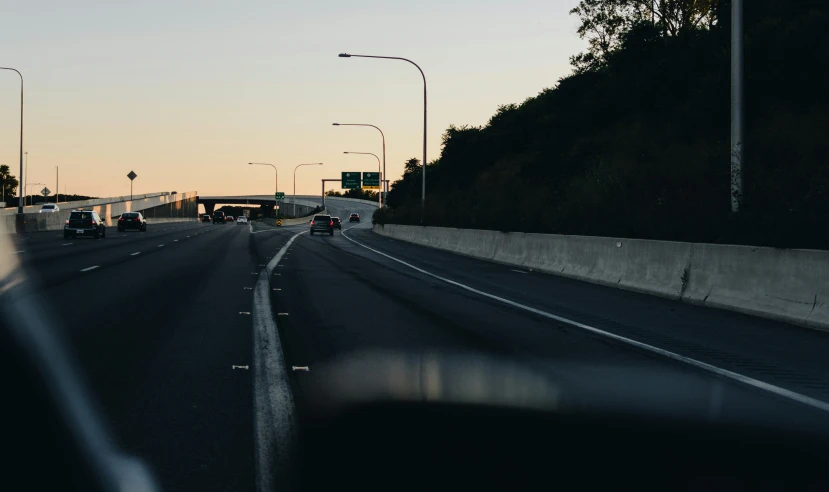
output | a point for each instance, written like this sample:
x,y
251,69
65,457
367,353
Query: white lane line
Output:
x,y
175,240
274,409
67,244
756,383
519,271
21,251
136,253
160,245
90,268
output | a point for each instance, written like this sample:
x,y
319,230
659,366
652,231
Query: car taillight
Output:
x,y
312,222
331,223
93,223
119,220
67,221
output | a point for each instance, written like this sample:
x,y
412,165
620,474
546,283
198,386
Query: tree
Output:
x,y
604,23
412,166
8,183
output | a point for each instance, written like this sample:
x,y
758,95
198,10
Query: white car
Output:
x,y
49,208
241,220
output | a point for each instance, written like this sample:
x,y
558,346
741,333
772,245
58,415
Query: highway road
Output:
x,y
164,326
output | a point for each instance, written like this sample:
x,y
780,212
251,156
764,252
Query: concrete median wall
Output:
x,y
787,285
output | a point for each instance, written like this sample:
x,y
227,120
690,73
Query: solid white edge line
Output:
x,y
90,268
136,253
756,383
274,410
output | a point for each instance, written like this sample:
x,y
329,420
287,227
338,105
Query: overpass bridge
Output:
x,y
159,207
267,201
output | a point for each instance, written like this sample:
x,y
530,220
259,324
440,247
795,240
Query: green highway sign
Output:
x,y
351,180
371,181
279,195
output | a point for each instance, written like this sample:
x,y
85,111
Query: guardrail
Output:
x,y
784,284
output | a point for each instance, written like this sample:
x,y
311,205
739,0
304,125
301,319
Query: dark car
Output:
x,y
205,218
355,217
219,217
132,220
322,223
84,223
337,222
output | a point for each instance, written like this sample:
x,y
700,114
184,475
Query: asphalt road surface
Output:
x,y
161,324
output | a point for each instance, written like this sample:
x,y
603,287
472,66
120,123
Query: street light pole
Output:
x,y
379,199
20,190
737,145
275,185
423,189
57,184
383,173
293,208
26,176
27,189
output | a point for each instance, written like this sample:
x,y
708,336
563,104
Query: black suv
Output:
x,y
219,217
84,223
322,223
337,222
132,220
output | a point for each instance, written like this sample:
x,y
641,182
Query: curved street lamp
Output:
x,y
379,199
275,186
423,189
383,136
293,211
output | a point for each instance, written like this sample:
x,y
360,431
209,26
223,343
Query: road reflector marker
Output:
x,y
90,268
301,368
248,288
240,367
175,240
136,253
244,312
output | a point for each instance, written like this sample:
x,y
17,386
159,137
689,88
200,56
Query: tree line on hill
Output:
x,y
635,142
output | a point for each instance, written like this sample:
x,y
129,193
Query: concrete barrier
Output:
x,y
107,208
787,285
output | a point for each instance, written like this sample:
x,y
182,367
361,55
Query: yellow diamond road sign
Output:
x,y
278,222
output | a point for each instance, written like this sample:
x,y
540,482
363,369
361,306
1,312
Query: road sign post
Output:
x,y
350,180
371,181
132,177
45,192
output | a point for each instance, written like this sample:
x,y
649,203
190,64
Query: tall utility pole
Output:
x,y
20,191
26,176
57,185
737,142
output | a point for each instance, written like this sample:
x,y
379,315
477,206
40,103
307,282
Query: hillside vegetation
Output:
x,y
635,142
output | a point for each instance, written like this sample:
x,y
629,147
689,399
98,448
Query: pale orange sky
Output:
x,y
185,93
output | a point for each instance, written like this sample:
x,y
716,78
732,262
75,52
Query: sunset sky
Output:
x,y
185,93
